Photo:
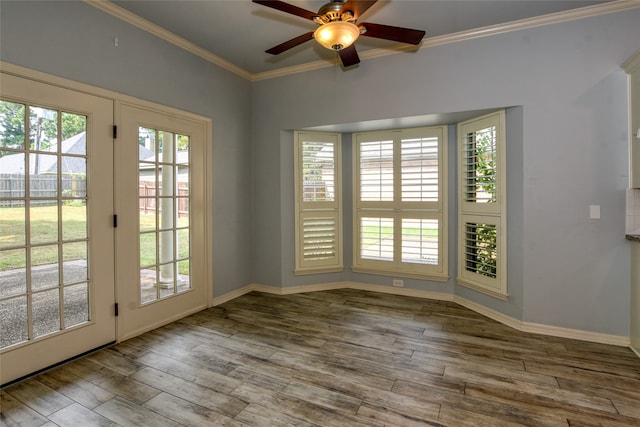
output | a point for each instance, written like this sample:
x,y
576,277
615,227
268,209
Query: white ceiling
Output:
x,y
239,31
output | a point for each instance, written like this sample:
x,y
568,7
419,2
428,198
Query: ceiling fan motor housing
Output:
x,y
332,12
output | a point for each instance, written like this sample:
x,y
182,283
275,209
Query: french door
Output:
x,y
56,231
161,233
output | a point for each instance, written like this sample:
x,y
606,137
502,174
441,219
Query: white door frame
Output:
x,y
117,98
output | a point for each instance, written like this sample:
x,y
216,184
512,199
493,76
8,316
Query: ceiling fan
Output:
x,y
338,28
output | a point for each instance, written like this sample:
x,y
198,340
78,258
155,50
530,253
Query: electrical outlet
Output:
x,y
398,283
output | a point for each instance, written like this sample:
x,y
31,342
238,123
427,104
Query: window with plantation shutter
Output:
x,y
400,223
482,213
318,203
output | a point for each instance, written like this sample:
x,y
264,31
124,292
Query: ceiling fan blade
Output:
x,y
387,32
288,8
290,43
358,7
349,56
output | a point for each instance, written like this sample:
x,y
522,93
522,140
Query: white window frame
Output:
x,y
493,214
327,212
397,210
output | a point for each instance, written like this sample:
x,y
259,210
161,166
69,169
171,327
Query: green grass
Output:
x,y
44,229
371,234
148,243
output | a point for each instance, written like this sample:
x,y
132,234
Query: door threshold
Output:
x,y
56,365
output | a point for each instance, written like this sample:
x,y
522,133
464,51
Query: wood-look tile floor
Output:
x,y
336,358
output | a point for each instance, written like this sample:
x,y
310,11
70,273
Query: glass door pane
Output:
x,y
43,204
163,198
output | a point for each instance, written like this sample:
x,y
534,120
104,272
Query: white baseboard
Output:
x,y
298,289
635,350
156,325
537,328
534,328
576,334
232,295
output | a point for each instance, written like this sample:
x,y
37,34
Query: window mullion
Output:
x,y
397,200
397,172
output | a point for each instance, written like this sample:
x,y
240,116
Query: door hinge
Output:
x,y
115,132
115,221
115,309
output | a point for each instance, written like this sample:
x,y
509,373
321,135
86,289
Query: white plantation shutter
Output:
x,y
419,166
482,214
318,203
481,249
318,167
377,238
376,166
480,153
420,240
480,156
319,238
399,187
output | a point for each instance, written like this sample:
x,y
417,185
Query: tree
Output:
x,y
73,124
43,124
12,119
485,235
149,137
486,162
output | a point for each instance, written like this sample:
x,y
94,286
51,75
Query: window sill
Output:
x,y
305,271
435,277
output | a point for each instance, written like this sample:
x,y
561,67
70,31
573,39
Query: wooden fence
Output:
x,y
43,189
147,192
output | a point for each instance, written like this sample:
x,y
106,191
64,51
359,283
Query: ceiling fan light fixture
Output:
x,y
337,35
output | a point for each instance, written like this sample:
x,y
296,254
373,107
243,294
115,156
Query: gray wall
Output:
x,y
76,41
565,269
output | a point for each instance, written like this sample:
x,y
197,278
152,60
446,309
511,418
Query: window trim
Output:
x,y
486,213
327,209
397,210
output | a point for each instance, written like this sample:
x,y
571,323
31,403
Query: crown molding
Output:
x,y
538,21
633,63
156,30
522,24
296,69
